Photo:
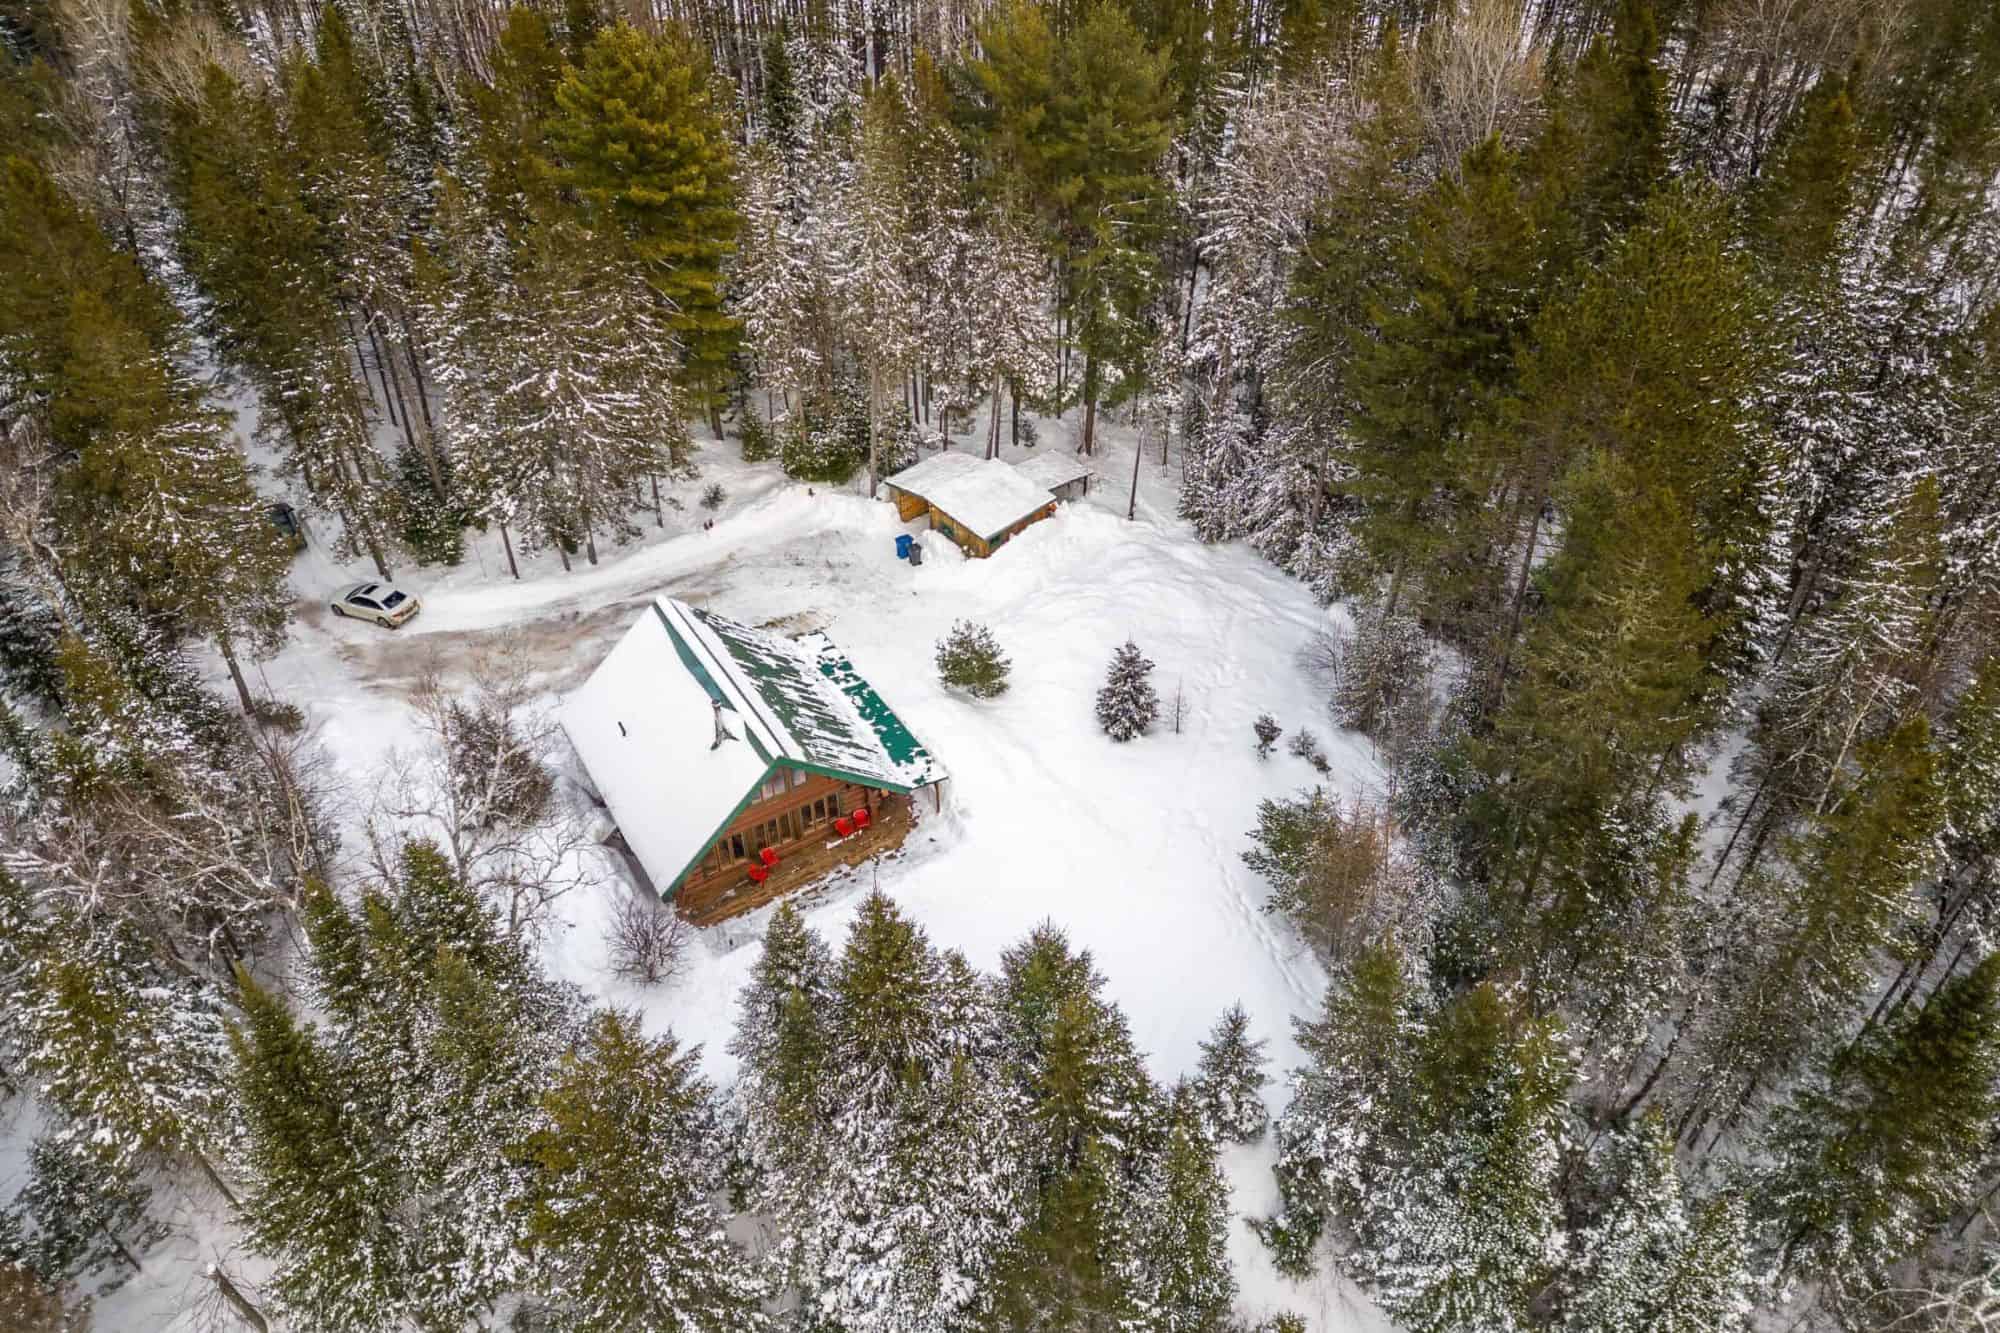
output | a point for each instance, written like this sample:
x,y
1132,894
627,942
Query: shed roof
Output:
x,y
644,726
988,498
1053,468
939,468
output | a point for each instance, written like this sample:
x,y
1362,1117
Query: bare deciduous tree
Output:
x,y
1480,76
200,861
478,783
647,939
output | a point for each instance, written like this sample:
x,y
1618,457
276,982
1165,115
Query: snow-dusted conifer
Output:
x,y
1006,302
1654,1258
1268,731
621,1233
874,292
775,287
1872,1149
1127,704
918,1175
320,1204
88,1211
1229,1080
585,406
1093,1124
970,659
1357,1050
1189,1283
781,1040
1464,1224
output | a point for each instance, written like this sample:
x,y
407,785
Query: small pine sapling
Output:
x,y
969,659
1306,746
712,498
1229,1078
1127,705
1178,712
1387,662
1268,731
756,439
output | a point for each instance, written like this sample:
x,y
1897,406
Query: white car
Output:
x,y
382,602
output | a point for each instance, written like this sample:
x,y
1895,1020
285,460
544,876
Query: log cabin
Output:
x,y
739,764
977,502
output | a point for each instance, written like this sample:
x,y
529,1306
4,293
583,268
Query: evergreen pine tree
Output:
x,y
1229,1080
1358,1051
1446,327
1127,704
641,137
1186,1248
89,1212
781,1040
131,1056
1653,1259
1800,209
968,658
620,1230
321,1200
1878,1148
1806,945
1093,1126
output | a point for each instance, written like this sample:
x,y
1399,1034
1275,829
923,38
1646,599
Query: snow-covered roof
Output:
x,y
987,498
939,468
644,726
1053,469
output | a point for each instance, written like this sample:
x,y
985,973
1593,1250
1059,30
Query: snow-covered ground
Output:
x,y
1134,849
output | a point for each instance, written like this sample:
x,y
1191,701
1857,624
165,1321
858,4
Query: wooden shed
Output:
x,y
1061,474
977,502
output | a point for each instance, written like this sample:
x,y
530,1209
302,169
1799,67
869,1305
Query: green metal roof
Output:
x,y
818,710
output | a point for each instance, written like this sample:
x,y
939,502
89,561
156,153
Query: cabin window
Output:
x,y
805,816
798,777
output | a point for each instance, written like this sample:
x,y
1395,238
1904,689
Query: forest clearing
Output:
x,y
999,666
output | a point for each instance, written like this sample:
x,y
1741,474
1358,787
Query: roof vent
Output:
x,y
721,731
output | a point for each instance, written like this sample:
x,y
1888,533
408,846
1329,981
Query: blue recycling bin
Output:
x,y
903,546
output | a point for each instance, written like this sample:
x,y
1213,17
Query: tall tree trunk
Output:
x,y
392,397
417,377
238,1302
421,439
1089,445
361,360
1520,599
507,545
235,671
1187,311
1132,504
874,456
